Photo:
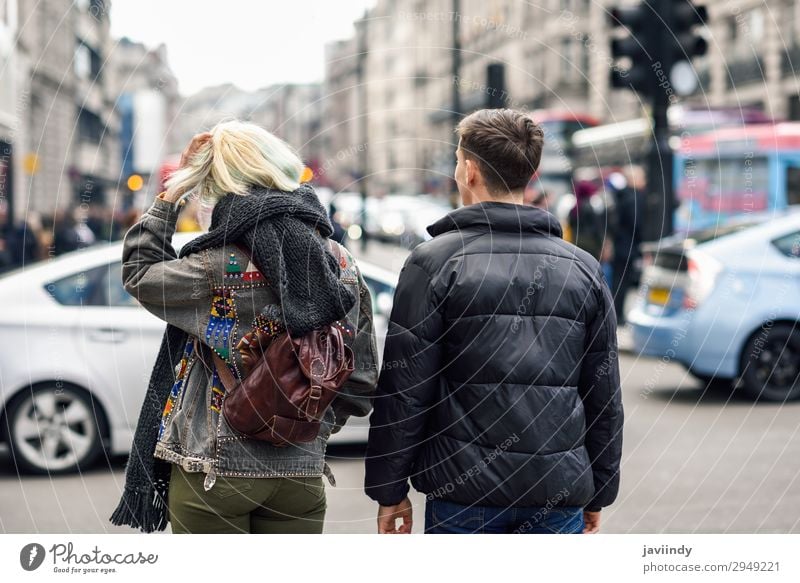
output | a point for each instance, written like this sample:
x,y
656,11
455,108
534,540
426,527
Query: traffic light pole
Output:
x,y
659,35
660,193
660,197
363,124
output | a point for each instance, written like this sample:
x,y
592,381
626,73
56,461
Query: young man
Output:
x,y
499,395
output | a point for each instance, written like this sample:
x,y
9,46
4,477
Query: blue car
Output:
x,y
725,303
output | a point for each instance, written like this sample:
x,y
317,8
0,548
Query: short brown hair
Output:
x,y
506,144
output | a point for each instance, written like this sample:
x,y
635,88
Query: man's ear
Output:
x,y
472,171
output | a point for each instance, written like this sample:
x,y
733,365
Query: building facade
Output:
x,y
556,56
147,104
58,123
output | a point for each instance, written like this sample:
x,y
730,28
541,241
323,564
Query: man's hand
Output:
x,y
387,516
592,520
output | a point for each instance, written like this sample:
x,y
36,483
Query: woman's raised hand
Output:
x,y
197,141
194,145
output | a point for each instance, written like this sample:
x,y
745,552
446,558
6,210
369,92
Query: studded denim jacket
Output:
x,y
217,296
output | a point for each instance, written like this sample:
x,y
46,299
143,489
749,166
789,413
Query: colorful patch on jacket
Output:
x,y
252,274
346,329
217,392
234,273
349,270
221,323
270,326
177,387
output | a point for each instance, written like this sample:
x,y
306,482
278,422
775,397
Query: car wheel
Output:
x,y
771,364
53,430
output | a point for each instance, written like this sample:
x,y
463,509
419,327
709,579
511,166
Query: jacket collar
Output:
x,y
498,216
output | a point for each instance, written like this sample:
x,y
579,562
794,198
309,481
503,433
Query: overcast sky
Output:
x,y
251,43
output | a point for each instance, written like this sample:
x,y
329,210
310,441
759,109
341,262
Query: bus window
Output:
x,y
715,188
728,185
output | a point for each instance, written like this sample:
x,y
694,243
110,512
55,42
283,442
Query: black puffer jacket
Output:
x,y
500,381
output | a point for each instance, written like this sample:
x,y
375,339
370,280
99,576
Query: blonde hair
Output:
x,y
238,156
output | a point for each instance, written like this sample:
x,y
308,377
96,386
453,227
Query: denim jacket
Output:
x,y
217,296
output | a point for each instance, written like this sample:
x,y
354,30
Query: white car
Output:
x,y
77,355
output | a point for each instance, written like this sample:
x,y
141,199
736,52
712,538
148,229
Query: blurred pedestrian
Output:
x,y
499,394
129,218
5,234
25,241
86,237
265,268
98,220
65,233
628,206
537,197
339,232
590,225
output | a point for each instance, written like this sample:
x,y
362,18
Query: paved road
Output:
x,y
695,460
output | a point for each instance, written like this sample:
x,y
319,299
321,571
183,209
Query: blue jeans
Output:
x,y
443,517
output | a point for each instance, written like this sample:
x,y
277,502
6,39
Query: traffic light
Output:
x,y
655,36
687,42
658,38
635,25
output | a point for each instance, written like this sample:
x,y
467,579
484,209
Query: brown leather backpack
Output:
x,y
284,396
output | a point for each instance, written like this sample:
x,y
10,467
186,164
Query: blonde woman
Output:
x,y
263,268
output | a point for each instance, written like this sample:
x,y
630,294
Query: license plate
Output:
x,y
658,295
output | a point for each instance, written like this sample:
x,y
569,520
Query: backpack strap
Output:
x,y
224,373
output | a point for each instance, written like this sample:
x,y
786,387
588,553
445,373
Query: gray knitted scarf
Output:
x,y
279,229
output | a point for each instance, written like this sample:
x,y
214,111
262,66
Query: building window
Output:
x,y
83,62
538,70
579,8
566,59
794,108
90,126
97,8
88,64
746,30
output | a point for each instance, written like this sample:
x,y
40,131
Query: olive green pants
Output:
x,y
236,505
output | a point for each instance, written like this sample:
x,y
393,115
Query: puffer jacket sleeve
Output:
x,y
174,289
407,387
356,395
599,388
